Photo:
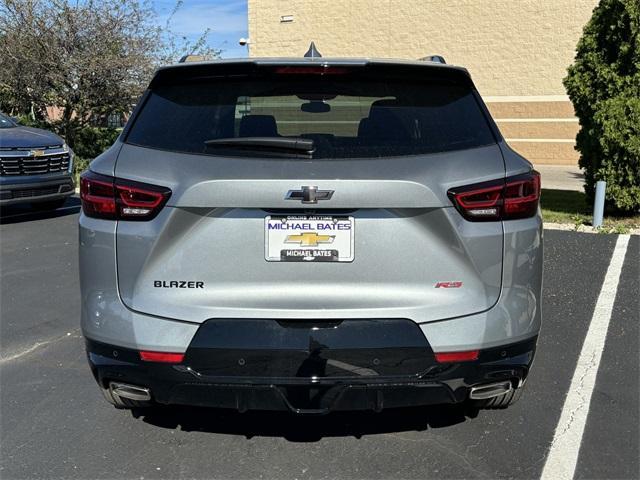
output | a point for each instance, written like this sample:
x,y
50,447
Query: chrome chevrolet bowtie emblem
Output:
x,y
309,239
309,194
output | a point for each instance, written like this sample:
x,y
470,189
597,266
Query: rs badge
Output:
x,y
448,284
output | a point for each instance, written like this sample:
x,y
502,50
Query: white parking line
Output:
x,y
563,454
16,355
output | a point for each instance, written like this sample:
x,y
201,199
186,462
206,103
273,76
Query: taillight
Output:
x,y
97,194
521,196
505,199
117,199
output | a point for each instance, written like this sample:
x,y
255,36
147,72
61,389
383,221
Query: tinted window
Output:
x,y
344,117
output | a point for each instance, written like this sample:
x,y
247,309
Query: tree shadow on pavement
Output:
x,y
27,213
300,428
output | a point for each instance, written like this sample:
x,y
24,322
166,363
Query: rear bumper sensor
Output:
x,y
311,367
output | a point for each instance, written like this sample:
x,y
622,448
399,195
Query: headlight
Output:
x,y
70,152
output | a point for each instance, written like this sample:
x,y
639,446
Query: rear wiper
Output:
x,y
279,145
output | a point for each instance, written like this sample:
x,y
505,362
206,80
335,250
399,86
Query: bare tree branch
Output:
x,y
89,58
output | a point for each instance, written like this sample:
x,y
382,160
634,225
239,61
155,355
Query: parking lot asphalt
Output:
x,y
54,423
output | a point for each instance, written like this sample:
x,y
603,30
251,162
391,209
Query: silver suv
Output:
x,y
310,235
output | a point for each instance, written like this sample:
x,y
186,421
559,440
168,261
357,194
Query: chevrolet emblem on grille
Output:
x,y
309,194
36,153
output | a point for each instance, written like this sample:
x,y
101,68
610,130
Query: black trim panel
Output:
x,y
309,348
272,379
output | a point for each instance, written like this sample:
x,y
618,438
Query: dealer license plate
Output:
x,y
304,238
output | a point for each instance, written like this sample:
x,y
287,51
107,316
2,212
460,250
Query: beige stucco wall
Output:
x,y
516,50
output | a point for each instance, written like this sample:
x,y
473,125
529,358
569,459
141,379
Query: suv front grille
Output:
x,y
39,192
18,162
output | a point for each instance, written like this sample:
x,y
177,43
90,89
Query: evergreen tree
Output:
x,y
604,86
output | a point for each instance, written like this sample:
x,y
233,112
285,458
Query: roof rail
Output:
x,y
433,58
313,52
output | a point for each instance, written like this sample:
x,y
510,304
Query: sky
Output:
x,y
227,20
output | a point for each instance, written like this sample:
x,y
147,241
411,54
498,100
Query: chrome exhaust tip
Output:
x,y
490,390
132,392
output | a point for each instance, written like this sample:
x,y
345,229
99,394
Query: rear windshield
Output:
x,y
345,116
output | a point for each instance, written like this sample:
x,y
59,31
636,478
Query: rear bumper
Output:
x,y
358,365
36,191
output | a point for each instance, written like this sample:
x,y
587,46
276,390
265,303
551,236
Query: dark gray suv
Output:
x,y
312,235
35,166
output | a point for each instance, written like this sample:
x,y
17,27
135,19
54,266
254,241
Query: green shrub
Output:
x,y
604,86
79,165
89,142
28,121
86,142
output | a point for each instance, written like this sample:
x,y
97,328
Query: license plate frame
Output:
x,y
309,238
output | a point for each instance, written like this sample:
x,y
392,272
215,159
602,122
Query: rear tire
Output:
x,y
501,401
123,403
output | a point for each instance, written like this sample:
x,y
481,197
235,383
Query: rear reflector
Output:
x,y
452,357
117,199
504,199
162,357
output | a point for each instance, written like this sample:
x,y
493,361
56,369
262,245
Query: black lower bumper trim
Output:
x,y
272,378
312,400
